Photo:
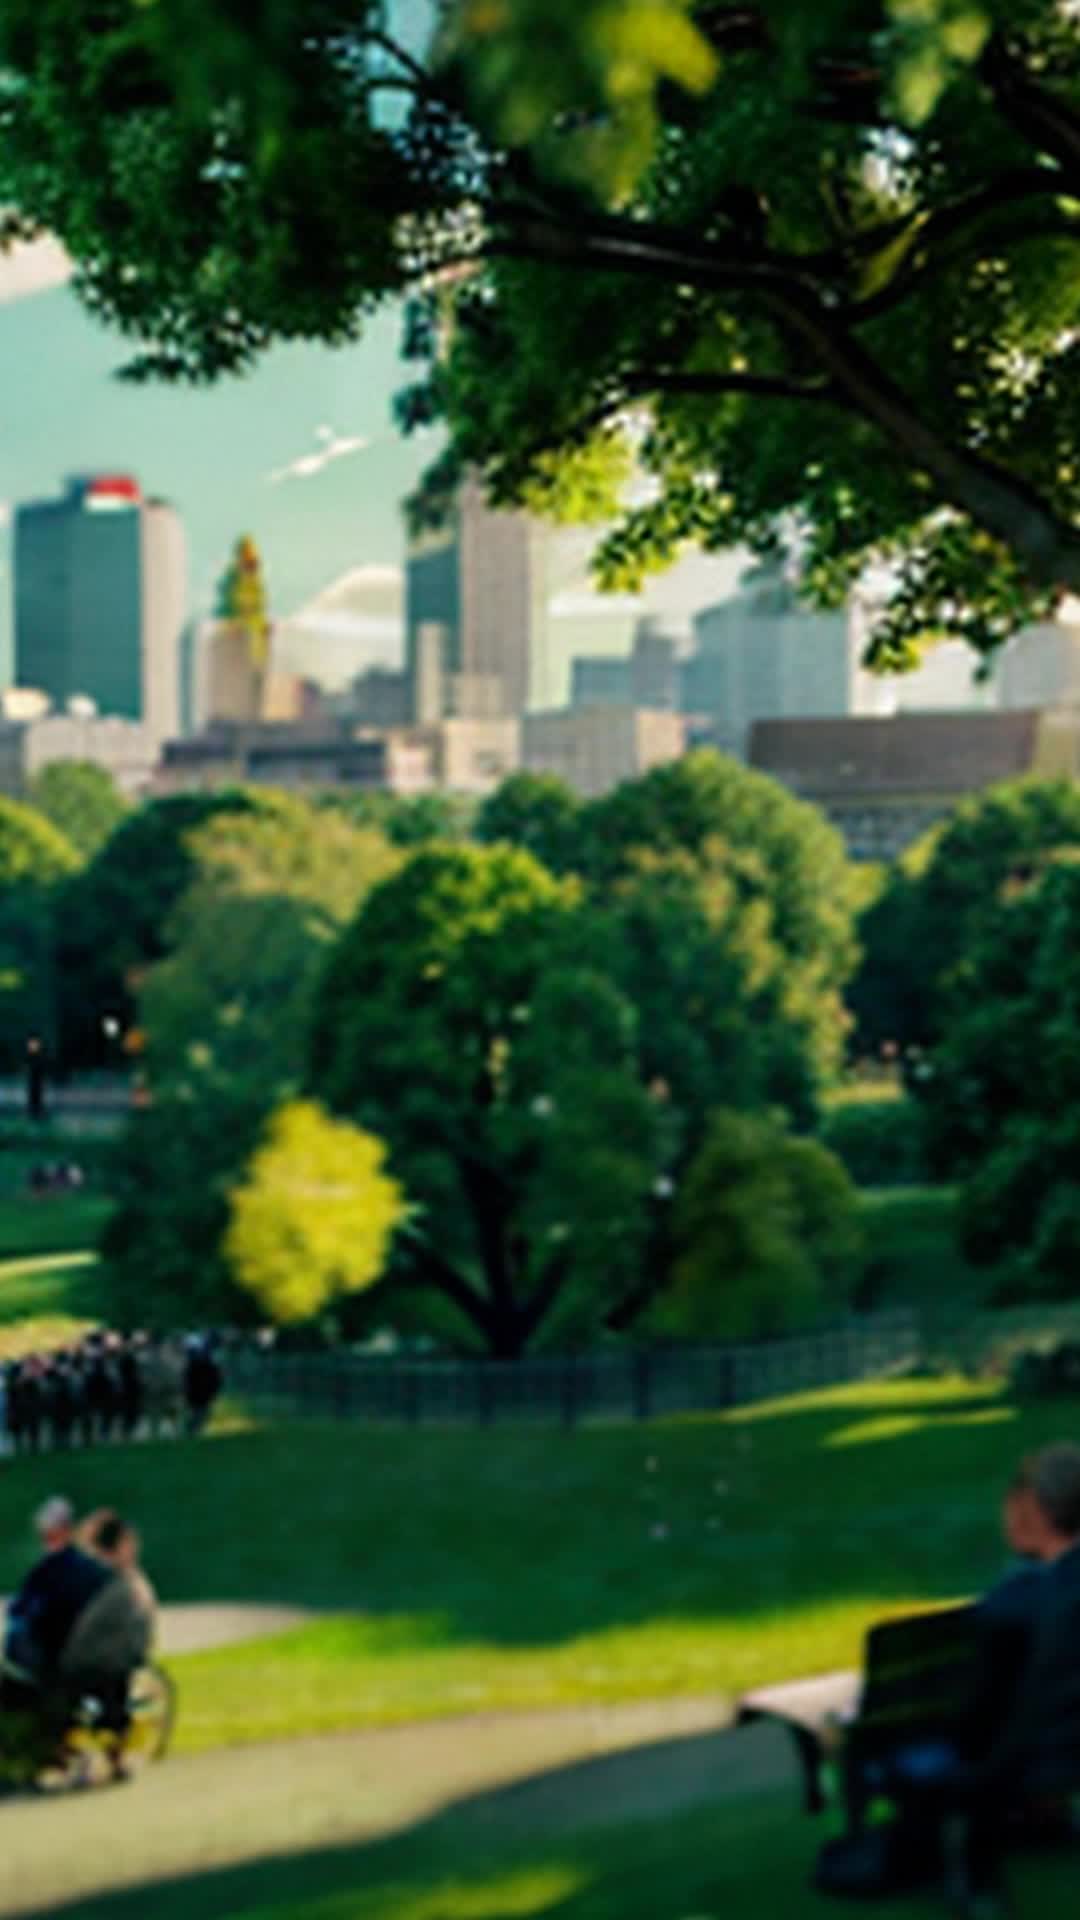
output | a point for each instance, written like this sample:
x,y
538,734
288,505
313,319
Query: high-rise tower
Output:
x,y
101,600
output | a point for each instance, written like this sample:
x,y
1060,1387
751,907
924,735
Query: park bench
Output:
x,y
915,1682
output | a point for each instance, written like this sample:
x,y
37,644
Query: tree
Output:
x,y
1002,1096
114,915
314,1216
766,1229
225,1014
919,936
171,1176
814,265
269,894
460,1022
407,820
35,858
82,800
536,811
745,836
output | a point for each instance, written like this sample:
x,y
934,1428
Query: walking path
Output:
x,y
202,1811
201,1625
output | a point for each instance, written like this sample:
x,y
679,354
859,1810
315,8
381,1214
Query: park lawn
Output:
x,y
910,1256
735,1861
462,1571
49,1274
47,1301
60,1223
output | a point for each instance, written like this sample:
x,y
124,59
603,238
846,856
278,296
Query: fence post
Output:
x,y
482,1395
413,1407
569,1391
642,1383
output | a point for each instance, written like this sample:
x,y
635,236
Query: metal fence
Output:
x,y
639,1383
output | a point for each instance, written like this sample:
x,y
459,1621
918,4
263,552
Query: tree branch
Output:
x,y
769,386
417,72
1001,502
1048,123
435,1271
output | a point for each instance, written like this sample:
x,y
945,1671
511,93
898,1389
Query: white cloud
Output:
x,y
332,446
33,266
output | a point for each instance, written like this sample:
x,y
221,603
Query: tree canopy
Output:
x,y
313,1218
116,913
813,268
1002,1096
81,799
921,934
224,1014
35,859
767,1231
460,1021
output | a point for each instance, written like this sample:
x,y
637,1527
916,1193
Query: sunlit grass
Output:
x,y
467,1572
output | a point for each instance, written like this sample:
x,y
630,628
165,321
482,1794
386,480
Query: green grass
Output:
x,y
734,1862
468,1571
49,1290
911,1257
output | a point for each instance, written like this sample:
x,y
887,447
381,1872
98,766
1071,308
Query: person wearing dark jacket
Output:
x,y
44,1610
202,1384
1028,1753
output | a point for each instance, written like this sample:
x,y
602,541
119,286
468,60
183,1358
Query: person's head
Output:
x,y
113,1540
54,1524
1047,1493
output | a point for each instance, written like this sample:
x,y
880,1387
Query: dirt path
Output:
x,y
210,1810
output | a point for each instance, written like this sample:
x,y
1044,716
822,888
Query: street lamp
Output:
x,y
35,1078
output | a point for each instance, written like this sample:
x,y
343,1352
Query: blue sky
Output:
x,y
211,451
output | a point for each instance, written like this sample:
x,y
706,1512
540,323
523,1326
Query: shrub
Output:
x,y
880,1142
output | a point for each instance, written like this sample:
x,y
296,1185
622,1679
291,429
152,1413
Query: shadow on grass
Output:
x,y
627,1834
637,1836
533,1537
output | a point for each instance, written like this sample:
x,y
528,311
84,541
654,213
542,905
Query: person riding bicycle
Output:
x,y
41,1616
113,1634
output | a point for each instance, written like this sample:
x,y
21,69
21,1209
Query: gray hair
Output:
x,y
56,1516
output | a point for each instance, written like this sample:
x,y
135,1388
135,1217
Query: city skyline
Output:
x,y
302,453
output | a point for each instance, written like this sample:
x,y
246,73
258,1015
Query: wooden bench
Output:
x,y
915,1684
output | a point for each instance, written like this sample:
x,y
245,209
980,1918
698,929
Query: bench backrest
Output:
x,y
919,1672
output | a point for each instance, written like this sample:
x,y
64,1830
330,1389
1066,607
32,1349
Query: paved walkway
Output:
x,y
198,1812
196,1627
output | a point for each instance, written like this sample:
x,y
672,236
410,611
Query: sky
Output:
x,y
302,453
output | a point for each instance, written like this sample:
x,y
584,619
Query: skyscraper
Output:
x,y
476,592
101,600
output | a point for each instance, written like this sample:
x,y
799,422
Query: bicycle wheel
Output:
x,y
152,1706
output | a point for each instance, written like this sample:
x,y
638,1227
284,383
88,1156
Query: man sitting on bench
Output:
x,y
1019,1742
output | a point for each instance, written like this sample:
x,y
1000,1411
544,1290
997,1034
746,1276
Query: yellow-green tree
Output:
x,y
314,1216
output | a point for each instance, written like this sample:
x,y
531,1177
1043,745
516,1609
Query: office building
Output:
x,y
475,611
125,749
101,600
648,676
884,782
595,748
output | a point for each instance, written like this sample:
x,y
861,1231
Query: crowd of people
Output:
x,y
108,1387
82,1622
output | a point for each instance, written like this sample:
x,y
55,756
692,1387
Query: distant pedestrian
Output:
x,y
131,1389
202,1384
32,1410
